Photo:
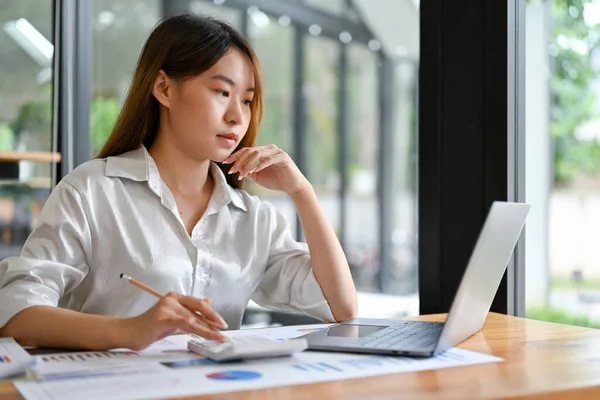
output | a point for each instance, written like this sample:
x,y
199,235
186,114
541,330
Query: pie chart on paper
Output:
x,y
234,375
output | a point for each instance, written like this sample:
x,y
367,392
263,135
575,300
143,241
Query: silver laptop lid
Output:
x,y
484,272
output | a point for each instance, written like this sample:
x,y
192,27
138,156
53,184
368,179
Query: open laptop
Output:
x,y
469,309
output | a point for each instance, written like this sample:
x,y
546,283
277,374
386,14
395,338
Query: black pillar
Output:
x,y
462,139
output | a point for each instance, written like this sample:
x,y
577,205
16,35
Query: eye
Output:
x,y
224,93
248,102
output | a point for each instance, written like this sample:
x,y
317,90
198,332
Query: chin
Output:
x,y
220,156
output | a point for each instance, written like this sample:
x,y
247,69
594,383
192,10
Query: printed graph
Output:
x,y
374,363
318,367
88,356
234,375
352,364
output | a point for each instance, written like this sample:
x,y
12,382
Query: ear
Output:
x,y
162,89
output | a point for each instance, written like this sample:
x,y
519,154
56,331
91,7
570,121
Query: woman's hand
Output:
x,y
270,167
173,312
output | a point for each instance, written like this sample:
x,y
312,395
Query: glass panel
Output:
x,y
267,34
119,31
562,163
405,166
26,52
362,235
320,90
335,7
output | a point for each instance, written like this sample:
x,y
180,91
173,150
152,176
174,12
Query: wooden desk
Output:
x,y
542,361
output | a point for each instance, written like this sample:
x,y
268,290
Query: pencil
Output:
x,y
142,286
153,292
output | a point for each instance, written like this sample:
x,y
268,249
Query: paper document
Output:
x,y
14,360
50,372
280,332
117,362
195,377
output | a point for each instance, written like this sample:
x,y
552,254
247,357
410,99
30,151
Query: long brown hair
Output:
x,y
183,46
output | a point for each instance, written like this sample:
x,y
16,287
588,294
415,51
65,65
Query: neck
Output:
x,y
178,170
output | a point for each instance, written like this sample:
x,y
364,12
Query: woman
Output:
x,y
163,203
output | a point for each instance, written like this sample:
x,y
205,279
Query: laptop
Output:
x,y
469,309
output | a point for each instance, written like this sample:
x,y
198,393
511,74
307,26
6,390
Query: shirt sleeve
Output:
x,y
53,259
289,282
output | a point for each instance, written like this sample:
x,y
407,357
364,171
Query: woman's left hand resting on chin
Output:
x,y
270,167
274,169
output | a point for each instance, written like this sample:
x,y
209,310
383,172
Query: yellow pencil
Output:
x,y
153,292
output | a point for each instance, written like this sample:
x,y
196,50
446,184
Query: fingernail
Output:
x,y
240,178
224,324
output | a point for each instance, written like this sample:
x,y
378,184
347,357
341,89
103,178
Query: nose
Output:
x,y
234,114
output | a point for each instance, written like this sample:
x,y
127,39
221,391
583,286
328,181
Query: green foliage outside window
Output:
x,y
573,101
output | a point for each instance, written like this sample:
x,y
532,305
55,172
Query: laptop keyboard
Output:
x,y
409,335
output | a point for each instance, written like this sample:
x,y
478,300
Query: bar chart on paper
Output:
x,y
86,357
66,366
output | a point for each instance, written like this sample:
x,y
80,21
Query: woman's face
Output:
x,y
209,114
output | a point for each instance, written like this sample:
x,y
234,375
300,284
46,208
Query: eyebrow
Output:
x,y
228,80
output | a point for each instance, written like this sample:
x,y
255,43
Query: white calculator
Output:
x,y
246,347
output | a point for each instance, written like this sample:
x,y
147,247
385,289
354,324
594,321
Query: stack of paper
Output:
x,y
14,360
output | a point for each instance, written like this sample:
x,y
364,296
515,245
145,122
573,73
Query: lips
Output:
x,y
230,136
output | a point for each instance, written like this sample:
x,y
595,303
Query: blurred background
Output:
x,y
341,81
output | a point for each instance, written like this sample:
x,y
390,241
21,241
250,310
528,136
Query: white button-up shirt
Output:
x,y
116,215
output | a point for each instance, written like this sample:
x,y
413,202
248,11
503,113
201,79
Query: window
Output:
x,y
119,31
320,91
266,34
26,52
562,165
361,239
404,266
335,7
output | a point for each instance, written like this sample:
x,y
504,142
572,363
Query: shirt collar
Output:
x,y
138,165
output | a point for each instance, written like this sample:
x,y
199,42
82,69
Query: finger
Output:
x,y
274,159
251,162
195,304
192,325
196,324
235,156
176,304
241,160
